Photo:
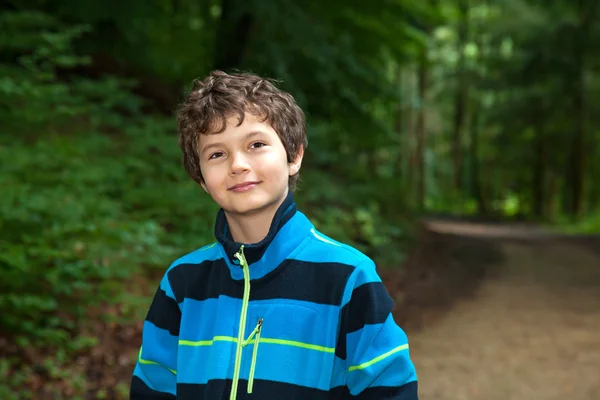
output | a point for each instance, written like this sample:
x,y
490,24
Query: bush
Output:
x,y
90,186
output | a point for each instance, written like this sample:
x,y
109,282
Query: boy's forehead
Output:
x,y
235,124
234,130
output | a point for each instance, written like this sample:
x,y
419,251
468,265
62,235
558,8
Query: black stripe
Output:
x,y
164,313
370,304
206,280
321,283
139,391
263,389
408,391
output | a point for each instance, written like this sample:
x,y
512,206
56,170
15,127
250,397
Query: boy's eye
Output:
x,y
215,155
257,145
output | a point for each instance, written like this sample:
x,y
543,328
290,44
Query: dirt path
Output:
x,y
530,331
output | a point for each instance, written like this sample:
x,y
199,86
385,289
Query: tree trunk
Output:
x,y
578,154
233,35
476,186
399,127
412,133
553,206
461,95
539,168
420,130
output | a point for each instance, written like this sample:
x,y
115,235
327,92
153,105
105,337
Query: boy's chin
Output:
x,y
248,207
252,205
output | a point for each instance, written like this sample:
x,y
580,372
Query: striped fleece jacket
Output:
x,y
295,316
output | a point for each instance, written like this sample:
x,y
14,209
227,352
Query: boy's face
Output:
x,y
245,168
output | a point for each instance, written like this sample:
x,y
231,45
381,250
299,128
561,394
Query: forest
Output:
x,y
467,108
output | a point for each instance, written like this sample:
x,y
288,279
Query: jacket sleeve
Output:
x,y
154,375
374,349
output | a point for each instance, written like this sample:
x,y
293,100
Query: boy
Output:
x,y
274,309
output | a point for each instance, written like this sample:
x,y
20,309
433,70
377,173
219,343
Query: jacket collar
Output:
x,y
266,255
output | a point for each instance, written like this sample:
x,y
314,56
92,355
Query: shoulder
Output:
x,y
325,249
210,252
359,268
362,274
331,250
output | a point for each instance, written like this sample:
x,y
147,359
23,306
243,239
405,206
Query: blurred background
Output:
x,y
455,142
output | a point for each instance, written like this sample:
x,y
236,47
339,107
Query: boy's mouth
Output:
x,y
244,186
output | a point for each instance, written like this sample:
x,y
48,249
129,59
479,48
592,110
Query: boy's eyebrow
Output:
x,y
219,144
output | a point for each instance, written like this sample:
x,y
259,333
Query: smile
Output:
x,y
243,187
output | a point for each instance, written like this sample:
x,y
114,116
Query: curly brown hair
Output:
x,y
220,96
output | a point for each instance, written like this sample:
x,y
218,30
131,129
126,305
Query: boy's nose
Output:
x,y
239,164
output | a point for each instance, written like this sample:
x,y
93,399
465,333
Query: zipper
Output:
x,y
240,340
255,333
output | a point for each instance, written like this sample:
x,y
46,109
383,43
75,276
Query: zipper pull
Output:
x,y
254,354
240,256
255,332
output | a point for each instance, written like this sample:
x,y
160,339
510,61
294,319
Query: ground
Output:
x,y
522,323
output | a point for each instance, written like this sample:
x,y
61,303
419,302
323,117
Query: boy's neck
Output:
x,y
252,228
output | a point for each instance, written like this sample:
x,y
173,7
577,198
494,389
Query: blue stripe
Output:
x,y
283,319
358,344
291,365
166,287
322,252
388,338
367,274
399,373
223,314
160,345
364,274
156,377
205,253
216,362
338,377
295,320
274,362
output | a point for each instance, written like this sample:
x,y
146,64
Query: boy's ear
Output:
x,y
297,163
204,186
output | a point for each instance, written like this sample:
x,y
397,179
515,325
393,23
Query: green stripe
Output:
x,y
148,362
210,246
281,342
298,344
377,359
207,342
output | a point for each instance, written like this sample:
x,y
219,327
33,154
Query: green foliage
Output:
x,y
31,96
365,215
588,225
67,380
94,195
63,237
